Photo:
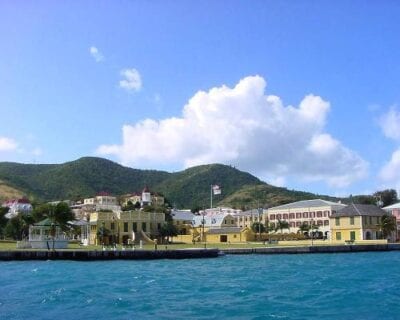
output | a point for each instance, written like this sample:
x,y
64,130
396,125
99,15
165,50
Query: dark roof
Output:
x,y
359,210
225,230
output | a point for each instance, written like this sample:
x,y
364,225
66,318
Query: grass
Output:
x,y
6,245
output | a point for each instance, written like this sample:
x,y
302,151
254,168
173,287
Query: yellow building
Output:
x,y
121,227
356,222
229,235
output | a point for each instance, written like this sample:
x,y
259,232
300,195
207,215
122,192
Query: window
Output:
x,y
298,215
291,216
112,225
337,221
370,220
320,222
338,236
279,216
352,235
305,214
319,214
285,216
352,221
144,226
312,214
298,224
134,226
158,226
125,226
326,222
292,224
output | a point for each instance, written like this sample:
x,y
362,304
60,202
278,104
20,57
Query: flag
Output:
x,y
216,189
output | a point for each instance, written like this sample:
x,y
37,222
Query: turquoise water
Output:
x,y
312,286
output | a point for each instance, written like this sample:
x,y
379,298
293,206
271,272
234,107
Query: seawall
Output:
x,y
315,249
87,255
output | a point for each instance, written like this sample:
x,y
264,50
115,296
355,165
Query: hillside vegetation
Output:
x,y
189,188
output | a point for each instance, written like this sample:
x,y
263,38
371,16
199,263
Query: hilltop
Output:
x,y
185,189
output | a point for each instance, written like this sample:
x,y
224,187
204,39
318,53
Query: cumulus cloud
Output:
x,y
132,80
390,123
390,173
244,127
96,54
7,144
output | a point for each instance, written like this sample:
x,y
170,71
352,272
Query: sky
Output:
x,y
302,94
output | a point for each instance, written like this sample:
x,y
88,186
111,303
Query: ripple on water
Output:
x,y
359,286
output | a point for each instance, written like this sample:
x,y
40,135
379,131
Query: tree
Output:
x,y
387,197
129,206
103,232
13,228
167,230
258,227
304,227
63,214
3,219
281,225
387,225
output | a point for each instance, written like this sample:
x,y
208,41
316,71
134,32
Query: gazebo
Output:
x,y
47,235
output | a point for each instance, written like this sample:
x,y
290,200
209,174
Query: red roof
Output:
x,y
12,201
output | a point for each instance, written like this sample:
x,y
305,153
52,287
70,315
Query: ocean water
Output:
x,y
310,286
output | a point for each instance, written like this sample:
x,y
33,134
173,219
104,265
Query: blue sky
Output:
x,y
303,94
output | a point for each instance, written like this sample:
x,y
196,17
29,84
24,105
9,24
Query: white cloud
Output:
x,y
7,144
390,123
96,54
132,81
390,173
244,127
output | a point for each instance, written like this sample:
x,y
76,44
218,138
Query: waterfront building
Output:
x,y
124,227
308,212
246,219
16,206
394,210
356,222
182,219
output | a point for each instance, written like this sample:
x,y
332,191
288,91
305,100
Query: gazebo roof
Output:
x,y
45,223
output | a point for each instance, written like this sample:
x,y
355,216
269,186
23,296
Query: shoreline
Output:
x,y
192,253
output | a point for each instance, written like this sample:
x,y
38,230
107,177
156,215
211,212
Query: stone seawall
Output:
x,y
85,255
315,249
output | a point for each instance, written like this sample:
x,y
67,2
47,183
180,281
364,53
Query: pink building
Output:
x,y
17,205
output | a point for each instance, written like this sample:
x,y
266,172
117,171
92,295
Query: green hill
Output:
x,y
185,189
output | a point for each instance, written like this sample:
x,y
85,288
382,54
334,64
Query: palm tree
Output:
x,y
304,227
387,225
282,224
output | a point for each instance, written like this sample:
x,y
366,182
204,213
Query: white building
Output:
x,y
220,210
17,205
309,212
102,201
